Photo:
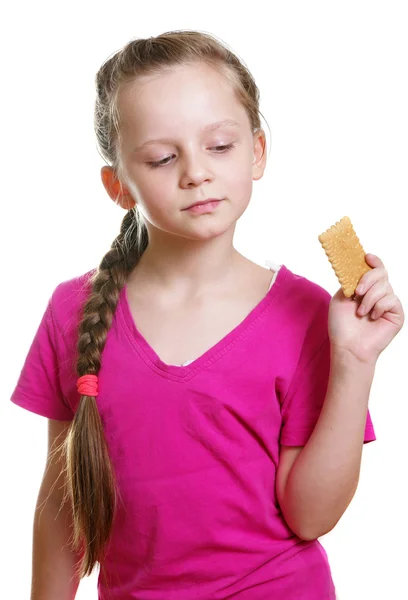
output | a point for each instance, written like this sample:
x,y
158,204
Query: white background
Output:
x,y
333,82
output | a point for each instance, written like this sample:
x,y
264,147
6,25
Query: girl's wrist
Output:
x,y
345,358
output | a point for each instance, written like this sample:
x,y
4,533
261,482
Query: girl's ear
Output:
x,y
117,192
259,159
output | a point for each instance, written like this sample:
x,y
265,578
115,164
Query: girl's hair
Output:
x,y
91,481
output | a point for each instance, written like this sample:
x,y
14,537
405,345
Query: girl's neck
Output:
x,y
191,275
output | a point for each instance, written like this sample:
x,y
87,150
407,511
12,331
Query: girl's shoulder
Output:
x,y
304,310
304,291
73,289
68,297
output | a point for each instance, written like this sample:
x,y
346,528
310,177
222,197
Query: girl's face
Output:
x,y
172,154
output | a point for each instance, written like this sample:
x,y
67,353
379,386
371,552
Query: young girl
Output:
x,y
210,413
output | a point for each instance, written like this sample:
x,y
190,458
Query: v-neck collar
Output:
x,y
180,372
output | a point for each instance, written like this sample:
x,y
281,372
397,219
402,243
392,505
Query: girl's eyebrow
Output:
x,y
211,127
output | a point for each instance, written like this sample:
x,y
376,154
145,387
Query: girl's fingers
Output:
x,y
384,305
368,279
379,290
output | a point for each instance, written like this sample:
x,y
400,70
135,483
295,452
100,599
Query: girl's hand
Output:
x,y
364,336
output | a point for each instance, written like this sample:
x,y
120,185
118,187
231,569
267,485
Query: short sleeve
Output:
x,y
38,388
305,397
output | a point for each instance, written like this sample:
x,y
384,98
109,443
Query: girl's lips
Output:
x,y
204,208
203,202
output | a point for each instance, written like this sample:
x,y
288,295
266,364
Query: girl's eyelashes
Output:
x,y
161,163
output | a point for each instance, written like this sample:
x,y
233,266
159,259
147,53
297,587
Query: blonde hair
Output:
x,y
91,486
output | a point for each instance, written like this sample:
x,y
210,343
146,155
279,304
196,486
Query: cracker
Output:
x,y
346,254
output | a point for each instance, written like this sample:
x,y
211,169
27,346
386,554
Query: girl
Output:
x,y
210,413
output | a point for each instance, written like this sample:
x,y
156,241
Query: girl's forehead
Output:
x,y
153,103
171,84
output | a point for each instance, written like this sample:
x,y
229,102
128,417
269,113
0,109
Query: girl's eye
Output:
x,y
162,163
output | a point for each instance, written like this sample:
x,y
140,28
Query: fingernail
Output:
x,y
360,289
361,309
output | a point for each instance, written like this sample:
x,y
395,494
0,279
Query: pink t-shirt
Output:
x,y
196,447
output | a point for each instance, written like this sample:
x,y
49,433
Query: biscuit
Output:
x,y
346,254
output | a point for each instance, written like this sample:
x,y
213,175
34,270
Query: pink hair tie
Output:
x,y
87,385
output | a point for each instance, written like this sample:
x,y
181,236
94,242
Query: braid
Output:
x,y
90,475
99,309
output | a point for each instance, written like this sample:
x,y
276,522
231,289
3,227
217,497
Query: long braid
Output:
x,y
90,476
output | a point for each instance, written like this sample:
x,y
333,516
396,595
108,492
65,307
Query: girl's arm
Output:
x,y
325,474
53,563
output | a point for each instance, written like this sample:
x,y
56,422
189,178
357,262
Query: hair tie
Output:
x,y
87,385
